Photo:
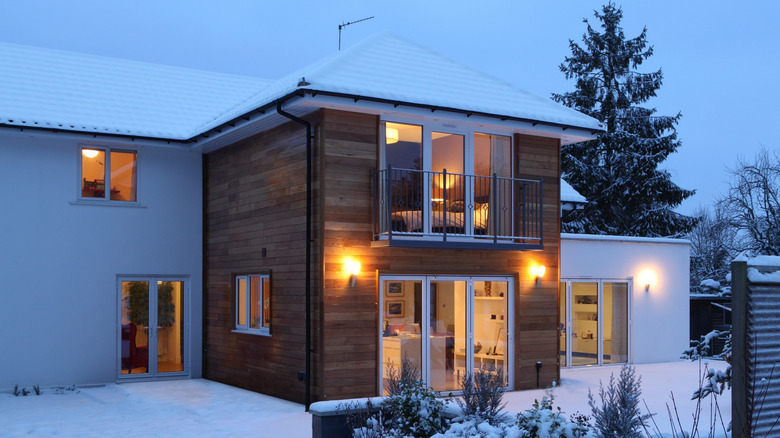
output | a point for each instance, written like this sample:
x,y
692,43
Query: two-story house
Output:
x,y
297,237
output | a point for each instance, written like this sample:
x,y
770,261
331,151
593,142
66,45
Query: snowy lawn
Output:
x,y
201,408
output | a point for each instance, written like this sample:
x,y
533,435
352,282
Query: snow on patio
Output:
x,y
202,408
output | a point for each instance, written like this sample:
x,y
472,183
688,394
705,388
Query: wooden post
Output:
x,y
740,413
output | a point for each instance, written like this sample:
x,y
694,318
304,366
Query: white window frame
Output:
x,y
106,175
247,328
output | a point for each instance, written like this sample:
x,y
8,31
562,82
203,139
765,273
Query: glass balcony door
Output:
x,y
152,330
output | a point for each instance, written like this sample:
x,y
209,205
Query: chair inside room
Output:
x,y
132,355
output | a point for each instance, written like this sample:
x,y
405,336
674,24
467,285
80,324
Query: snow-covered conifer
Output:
x,y
618,172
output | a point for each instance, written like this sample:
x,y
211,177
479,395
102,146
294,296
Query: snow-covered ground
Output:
x,y
201,408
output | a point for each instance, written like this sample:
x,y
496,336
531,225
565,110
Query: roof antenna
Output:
x,y
347,24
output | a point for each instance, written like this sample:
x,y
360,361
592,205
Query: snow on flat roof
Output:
x,y
46,88
60,90
568,194
629,239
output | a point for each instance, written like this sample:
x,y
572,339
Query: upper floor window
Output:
x,y
253,304
108,174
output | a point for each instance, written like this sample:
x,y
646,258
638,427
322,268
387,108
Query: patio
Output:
x,y
204,408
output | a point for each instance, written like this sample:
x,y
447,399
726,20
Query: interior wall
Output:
x,y
660,315
59,319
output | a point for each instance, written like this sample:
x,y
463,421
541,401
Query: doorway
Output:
x,y
594,322
445,327
152,327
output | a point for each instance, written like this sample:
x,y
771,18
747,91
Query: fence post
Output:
x,y
740,413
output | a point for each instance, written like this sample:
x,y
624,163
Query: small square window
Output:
x,y
108,174
253,304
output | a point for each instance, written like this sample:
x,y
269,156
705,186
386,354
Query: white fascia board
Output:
x,y
92,138
627,239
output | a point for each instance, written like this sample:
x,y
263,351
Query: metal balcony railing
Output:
x,y
434,209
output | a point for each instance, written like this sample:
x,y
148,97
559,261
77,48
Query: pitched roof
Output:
x,y
61,90
46,88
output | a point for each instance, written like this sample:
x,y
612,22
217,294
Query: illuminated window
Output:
x,y
253,304
108,174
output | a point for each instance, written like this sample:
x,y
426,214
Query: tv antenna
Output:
x,y
342,25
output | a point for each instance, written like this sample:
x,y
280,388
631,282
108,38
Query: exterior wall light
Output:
x,y
647,278
353,268
538,272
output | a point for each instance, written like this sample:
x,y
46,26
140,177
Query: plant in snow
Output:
x,y
618,415
618,172
714,381
408,373
414,412
544,421
482,394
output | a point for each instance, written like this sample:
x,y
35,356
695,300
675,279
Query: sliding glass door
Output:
x,y
594,322
151,327
444,327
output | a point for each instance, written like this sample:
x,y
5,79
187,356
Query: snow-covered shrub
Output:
x,y
714,381
482,394
475,427
414,412
618,414
544,421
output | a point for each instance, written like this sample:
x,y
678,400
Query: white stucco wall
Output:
x,y
59,261
660,316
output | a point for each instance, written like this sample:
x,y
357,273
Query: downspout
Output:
x,y
309,147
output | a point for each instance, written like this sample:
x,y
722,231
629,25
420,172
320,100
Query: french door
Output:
x,y
152,332
445,327
594,322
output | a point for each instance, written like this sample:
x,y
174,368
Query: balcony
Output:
x,y
424,209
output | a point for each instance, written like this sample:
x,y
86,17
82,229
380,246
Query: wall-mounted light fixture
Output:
x,y
647,279
538,273
353,268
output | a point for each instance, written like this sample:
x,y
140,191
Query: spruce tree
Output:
x,y
618,172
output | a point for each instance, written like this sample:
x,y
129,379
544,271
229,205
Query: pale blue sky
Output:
x,y
718,57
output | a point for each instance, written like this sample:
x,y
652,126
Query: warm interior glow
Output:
x,y
538,271
647,278
89,153
392,135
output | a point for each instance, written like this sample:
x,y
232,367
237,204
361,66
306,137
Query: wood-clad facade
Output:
x,y
255,223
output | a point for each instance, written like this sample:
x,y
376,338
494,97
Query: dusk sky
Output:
x,y
718,57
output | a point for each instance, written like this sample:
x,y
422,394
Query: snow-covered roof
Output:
x,y
60,90
46,88
568,194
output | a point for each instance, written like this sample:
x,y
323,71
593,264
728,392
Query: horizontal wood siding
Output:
x,y
350,326
255,199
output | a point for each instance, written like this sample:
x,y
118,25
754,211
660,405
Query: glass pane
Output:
x,y
123,178
448,193
562,322
401,334
254,302
447,334
241,302
93,173
493,155
135,327
403,146
490,310
584,319
170,326
615,322
266,303
403,151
